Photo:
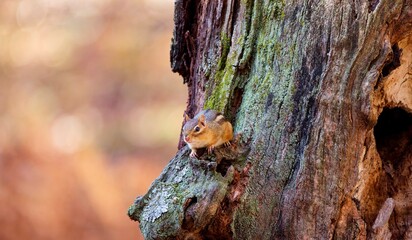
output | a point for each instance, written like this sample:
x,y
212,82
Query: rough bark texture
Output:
x,y
322,94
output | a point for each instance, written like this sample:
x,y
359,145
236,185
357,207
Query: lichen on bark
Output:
x,y
184,182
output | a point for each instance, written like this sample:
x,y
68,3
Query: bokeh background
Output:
x,y
90,113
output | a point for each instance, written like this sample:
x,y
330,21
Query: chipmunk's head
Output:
x,y
193,128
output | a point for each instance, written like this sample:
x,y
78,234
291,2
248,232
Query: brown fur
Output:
x,y
214,131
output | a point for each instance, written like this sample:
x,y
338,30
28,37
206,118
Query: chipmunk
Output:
x,y
208,129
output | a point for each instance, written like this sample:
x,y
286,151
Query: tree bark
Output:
x,y
321,92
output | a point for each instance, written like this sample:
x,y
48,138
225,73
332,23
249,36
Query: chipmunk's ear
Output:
x,y
187,118
202,120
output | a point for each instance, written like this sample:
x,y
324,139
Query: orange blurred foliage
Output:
x,y
90,113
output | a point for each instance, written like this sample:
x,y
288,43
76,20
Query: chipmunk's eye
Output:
x,y
197,129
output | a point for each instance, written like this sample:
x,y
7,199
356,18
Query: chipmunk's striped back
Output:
x,y
211,116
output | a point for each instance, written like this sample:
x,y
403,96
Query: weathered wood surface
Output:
x,y
305,83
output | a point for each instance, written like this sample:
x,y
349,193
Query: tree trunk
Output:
x,y
321,92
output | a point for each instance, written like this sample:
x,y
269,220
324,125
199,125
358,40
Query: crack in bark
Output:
x,y
219,227
251,33
372,5
349,224
394,60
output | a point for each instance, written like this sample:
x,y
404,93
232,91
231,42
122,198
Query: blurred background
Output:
x,y
90,113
